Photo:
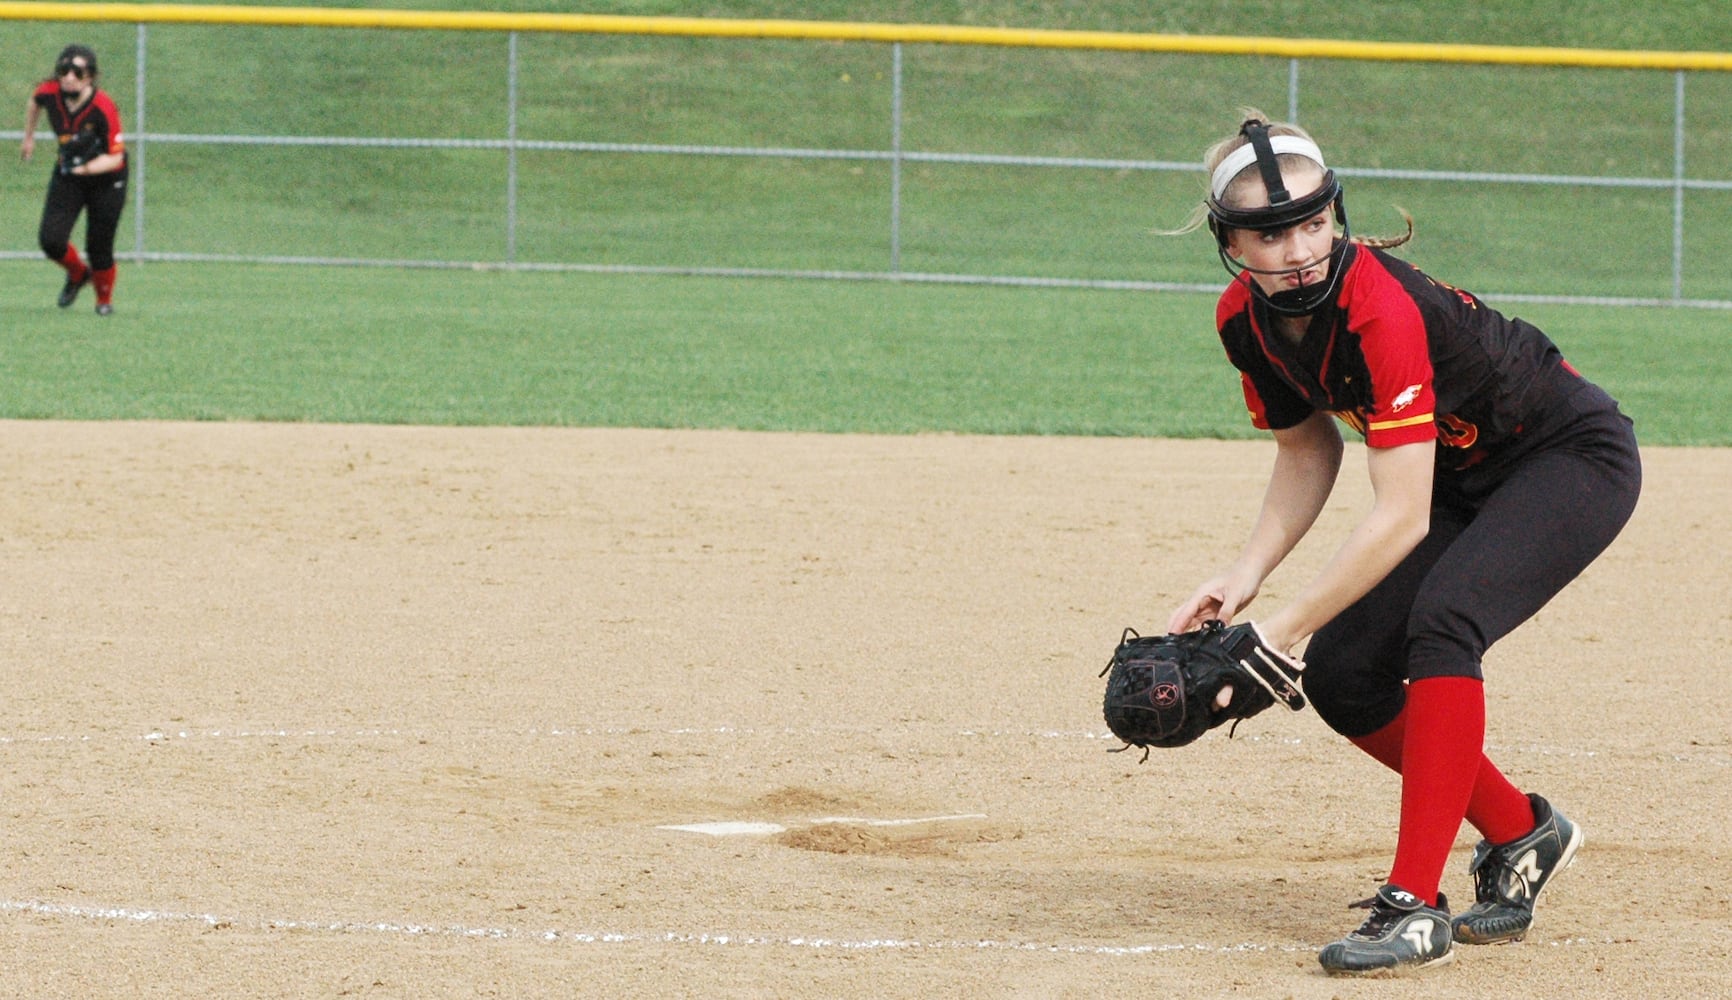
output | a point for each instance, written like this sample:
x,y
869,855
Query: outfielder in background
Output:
x,y
89,174
1498,474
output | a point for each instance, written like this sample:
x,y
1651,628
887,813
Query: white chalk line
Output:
x,y
1700,755
120,914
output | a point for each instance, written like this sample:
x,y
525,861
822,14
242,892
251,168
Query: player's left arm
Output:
x,y
106,163
1399,518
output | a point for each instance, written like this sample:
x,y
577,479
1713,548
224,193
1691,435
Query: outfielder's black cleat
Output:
x,y
104,309
69,293
1402,934
1507,878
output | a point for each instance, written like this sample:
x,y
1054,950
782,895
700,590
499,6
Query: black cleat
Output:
x,y
69,294
1402,934
104,309
1507,878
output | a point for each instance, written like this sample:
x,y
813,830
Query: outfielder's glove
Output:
x,y
77,150
1162,689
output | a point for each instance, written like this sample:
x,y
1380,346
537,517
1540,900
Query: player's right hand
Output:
x,y
1220,598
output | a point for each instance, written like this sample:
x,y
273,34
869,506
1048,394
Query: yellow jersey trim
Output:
x,y
1389,425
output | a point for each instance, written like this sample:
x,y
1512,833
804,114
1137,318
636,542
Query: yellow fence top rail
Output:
x,y
1293,48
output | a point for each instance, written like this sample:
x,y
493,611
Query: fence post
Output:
x,y
896,158
1678,188
136,169
1293,91
511,150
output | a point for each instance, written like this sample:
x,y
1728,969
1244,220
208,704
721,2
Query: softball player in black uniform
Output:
x,y
89,173
1498,475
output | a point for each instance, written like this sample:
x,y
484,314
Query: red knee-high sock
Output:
x,y
74,264
1440,756
1497,808
1384,745
104,282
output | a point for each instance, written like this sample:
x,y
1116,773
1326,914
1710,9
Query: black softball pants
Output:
x,y
1490,562
102,196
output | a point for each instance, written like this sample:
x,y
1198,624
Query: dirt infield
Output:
x,y
405,712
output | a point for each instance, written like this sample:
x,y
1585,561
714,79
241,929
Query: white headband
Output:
x,y
1246,155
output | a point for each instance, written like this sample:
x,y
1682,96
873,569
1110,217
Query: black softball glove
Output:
x,y
1161,690
77,150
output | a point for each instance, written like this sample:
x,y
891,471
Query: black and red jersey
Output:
x,y
92,130
1402,358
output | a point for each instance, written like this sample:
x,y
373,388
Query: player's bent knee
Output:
x,y
1351,702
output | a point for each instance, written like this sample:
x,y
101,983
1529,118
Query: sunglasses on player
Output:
x,y
77,69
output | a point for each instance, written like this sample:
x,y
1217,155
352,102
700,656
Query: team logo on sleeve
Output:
x,y
1405,398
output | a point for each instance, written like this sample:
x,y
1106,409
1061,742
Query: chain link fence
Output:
x,y
517,211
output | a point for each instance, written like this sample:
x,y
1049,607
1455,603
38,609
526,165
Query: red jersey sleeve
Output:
x,y
105,105
1397,353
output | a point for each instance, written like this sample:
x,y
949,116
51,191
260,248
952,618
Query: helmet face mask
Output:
x,y
1282,212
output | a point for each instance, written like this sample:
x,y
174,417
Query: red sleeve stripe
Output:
x,y
1389,425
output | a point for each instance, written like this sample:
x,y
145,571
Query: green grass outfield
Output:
x,y
206,341
407,202
374,345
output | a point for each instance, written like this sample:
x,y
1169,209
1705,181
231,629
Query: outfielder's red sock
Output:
x,y
104,282
75,269
1440,756
1497,809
